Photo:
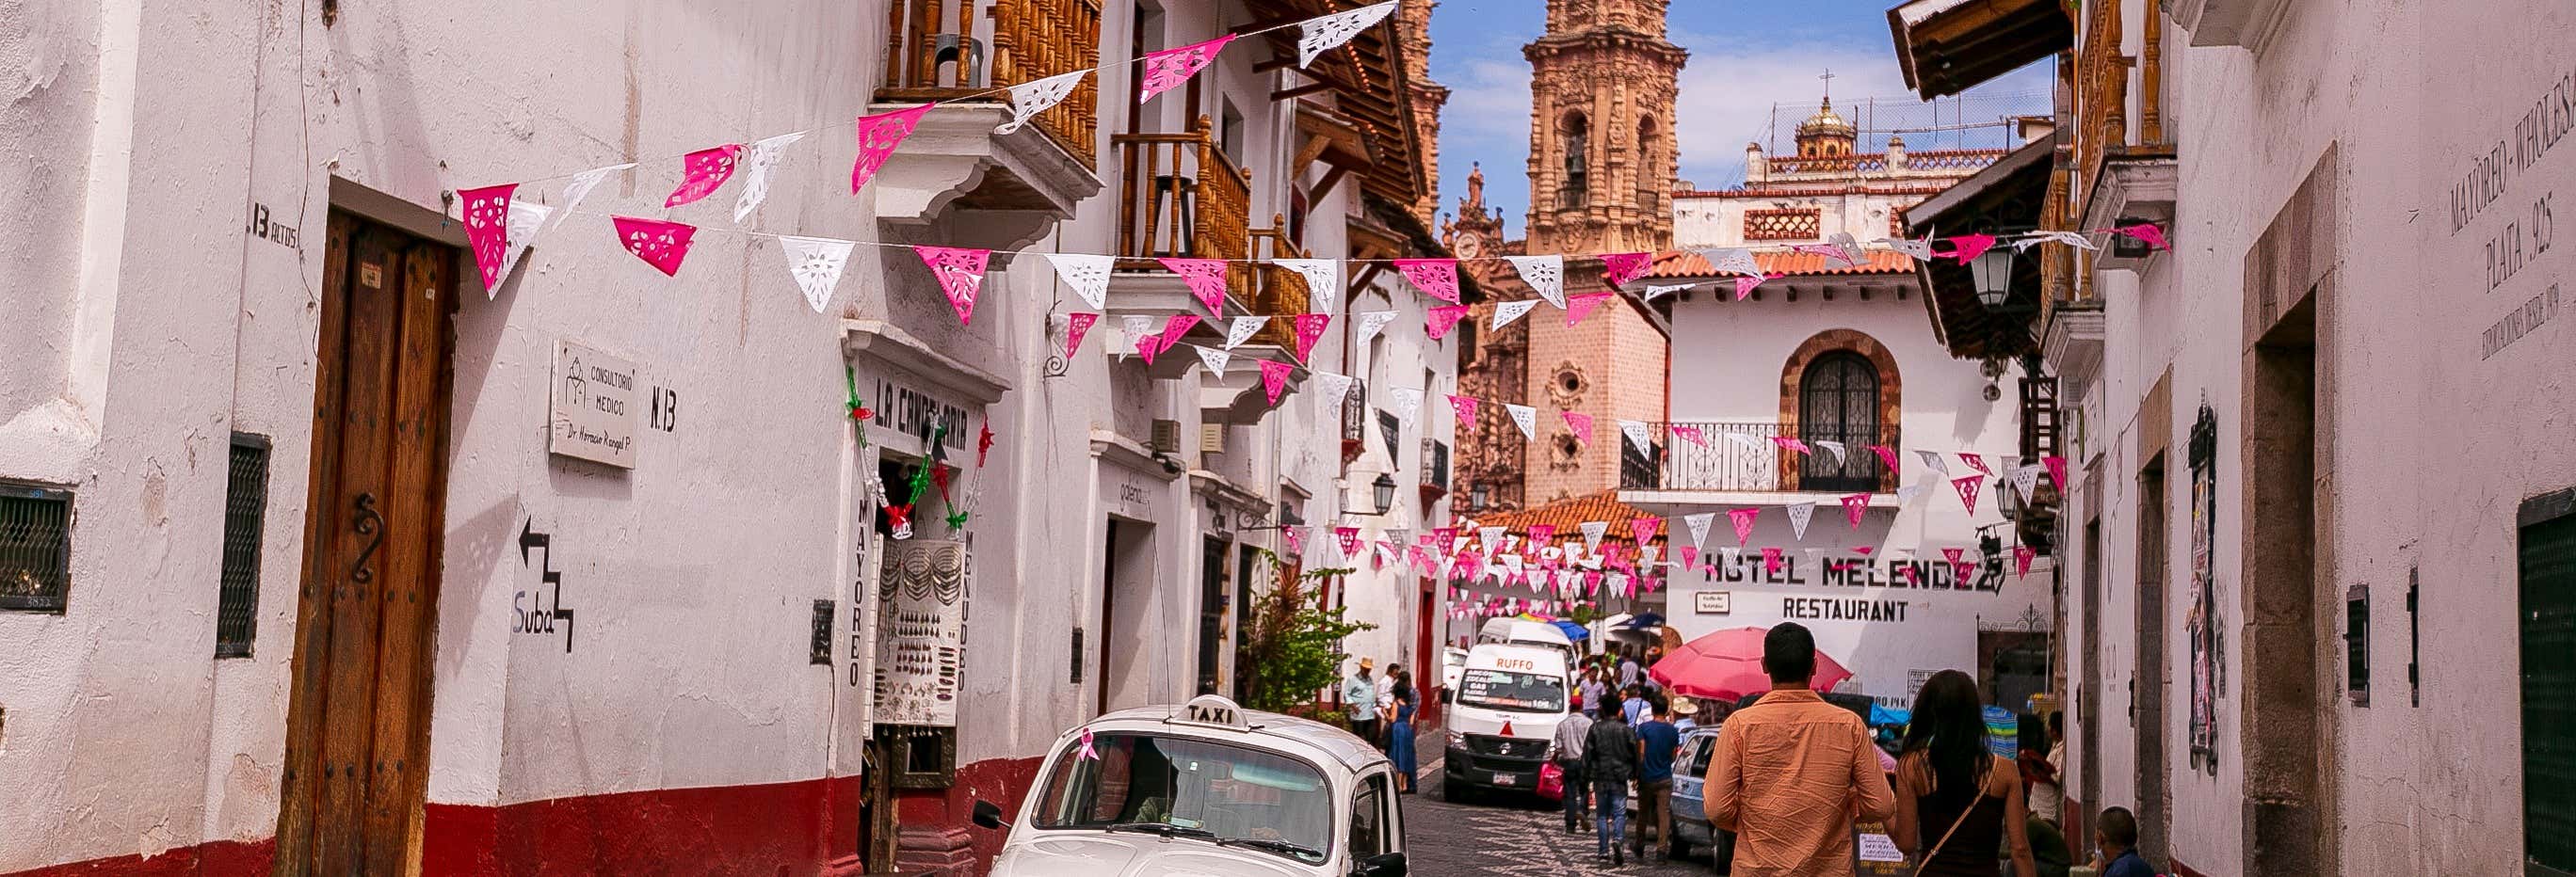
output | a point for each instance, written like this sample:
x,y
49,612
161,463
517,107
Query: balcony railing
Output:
x,y
1761,465
935,52
1275,290
1180,196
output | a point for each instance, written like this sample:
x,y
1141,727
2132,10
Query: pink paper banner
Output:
x,y
1886,455
2022,555
1437,278
1540,535
2147,232
1349,537
1465,406
1968,247
1967,487
1205,278
1274,378
1743,520
1771,560
1443,319
1854,506
2056,471
1787,443
660,243
1578,307
960,271
1744,285
1691,434
1167,69
1296,538
703,172
1645,528
1975,461
1076,325
487,217
1581,424
1310,328
1176,326
1619,268
1150,346
878,136
1690,557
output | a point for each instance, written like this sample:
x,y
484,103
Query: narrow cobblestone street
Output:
x,y
1508,837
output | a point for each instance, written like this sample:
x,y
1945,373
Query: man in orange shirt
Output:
x,y
1792,772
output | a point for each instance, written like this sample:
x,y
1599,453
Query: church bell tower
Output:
x,y
1601,158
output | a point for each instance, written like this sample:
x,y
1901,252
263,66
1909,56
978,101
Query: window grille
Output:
x,y
35,546
2548,620
1788,224
245,511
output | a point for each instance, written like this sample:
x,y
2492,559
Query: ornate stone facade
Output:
x,y
1601,157
1424,98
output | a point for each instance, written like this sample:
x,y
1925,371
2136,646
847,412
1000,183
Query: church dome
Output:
x,y
1826,133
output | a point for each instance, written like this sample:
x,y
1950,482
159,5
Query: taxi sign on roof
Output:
x,y
1210,709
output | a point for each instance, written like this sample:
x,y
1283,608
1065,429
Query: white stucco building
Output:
x,y
2317,547
321,555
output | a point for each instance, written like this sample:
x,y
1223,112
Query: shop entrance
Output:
x,y
357,732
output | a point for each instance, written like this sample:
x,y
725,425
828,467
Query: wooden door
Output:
x,y
358,724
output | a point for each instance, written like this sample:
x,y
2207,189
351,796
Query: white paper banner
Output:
x,y
1323,282
1833,446
581,185
1492,537
1747,441
1318,35
1506,312
1525,417
1408,404
756,165
1699,527
1544,274
1732,260
1592,531
1333,387
2069,238
1846,251
527,220
1028,99
1214,359
1906,494
1088,275
816,264
1135,327
2025,479
1635,430
1799,514
1933,459
1240,329
1654,290
1371,322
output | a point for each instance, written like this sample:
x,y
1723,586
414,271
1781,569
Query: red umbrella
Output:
x,y
1727,665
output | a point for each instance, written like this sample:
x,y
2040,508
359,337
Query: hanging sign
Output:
x,y
594,411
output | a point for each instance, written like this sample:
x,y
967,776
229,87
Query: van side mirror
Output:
x,y
988,815
1448,696
1381,865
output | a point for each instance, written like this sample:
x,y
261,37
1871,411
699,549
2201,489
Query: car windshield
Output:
x,y
1517,692
1188,787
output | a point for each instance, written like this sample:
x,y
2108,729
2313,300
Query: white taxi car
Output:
x,y
1206,788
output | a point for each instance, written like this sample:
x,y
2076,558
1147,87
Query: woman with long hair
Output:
x,y
1399,746
1956,801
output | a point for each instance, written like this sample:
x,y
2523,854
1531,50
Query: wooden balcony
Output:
x,y
1275,290
1180,196
944,50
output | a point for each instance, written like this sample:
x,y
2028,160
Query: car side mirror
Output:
x,y
1448,696
1382,865
988,815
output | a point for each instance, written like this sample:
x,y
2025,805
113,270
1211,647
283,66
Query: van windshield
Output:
x,y
1515,692
1187,787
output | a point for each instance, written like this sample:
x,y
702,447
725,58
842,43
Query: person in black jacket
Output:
x,y
1610,754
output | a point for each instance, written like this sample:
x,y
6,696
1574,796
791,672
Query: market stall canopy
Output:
x,y
1727,665
1949,46
1572,630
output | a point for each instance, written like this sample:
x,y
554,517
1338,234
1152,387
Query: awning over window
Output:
x,y
2005,198
1948,46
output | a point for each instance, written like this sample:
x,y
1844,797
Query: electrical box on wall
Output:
x,y
1211,438
1167,437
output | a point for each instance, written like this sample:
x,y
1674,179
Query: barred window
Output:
x,y
245,510
35,546
1788,224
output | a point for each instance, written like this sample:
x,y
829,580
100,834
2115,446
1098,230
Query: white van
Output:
x,y
1522,631
1502,719
1206,788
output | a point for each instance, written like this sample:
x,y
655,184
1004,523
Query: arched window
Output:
x,y
1838,402
1578,162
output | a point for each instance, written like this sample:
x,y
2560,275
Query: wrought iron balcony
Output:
x,y
1755,463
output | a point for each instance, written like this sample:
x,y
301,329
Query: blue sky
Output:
x,y
1745,56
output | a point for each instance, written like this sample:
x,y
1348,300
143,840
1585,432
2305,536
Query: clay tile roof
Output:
x,y
1568,515
1690,264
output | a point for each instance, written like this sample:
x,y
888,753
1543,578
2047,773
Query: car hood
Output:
x,y
1101,855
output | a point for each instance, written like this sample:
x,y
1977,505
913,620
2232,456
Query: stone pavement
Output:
x,y
1509,837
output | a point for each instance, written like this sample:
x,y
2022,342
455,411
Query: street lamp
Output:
x,y
1385,487
1993,270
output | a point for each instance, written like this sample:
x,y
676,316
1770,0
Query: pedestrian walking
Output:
x,y
1570,735
1791,772
1657,741
2047,790
1359,701
1956,801
1399,735
1685,714
1632,705
1596,691
1627,672
1386,709
1610,760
